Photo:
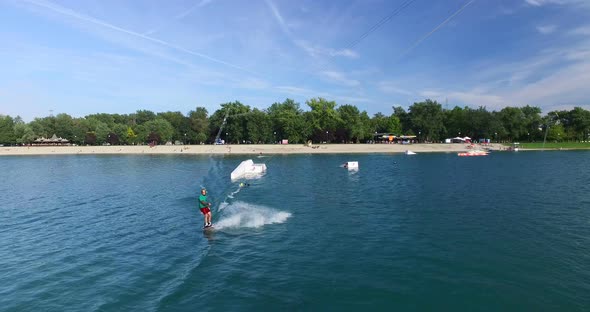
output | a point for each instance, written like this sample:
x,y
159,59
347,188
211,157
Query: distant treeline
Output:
x,y
324,121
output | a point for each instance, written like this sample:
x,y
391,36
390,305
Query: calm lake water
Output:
x,y
507,232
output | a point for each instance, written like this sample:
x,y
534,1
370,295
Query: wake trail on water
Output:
x,y
232,213
231,196
245,215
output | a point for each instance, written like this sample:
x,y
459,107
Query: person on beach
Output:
x,y
205,207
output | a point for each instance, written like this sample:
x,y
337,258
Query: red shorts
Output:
x,y
205,210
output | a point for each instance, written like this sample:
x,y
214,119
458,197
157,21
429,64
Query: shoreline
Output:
x,y
238,149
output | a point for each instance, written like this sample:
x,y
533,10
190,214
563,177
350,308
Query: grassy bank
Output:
x,y
554,145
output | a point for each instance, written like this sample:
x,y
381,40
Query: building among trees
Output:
x,y
53,141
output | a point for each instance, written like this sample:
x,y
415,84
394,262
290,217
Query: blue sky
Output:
x,y
83,57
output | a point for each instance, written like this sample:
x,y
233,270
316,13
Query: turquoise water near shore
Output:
x,y
507,232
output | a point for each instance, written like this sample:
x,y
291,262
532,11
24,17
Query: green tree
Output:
x,y
7,135
532,122
513,122
64,126
23,133
180,123
478,123
101,131
379,123
113,139
122,119
404,119
79,130
455,121
90,138
288,122
351,127
142,116
107,119
580,123
394,124
199,125
324,118
234,127
44,126
258,126
159,130
427,118
556,133
120,131
367,127
131,137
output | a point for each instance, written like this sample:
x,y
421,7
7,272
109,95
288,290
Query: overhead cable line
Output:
x,y
375,27
350,45
380,23
364,35
415,44
356,41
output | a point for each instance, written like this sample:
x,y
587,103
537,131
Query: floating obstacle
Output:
x,y
351,165
408,152
248,170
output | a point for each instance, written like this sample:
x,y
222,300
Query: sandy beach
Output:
x,y
244,149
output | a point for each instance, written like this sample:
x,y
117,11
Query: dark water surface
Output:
x,y
507,232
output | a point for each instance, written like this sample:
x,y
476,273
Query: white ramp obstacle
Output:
x,y
352,165
247,170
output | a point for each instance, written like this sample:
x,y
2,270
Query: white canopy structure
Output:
x,y
248,170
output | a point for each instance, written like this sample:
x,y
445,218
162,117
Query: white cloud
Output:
x,y
431,94
539,3
546,29
478,99
278,17
88,19
180,15
317,51
344,52
340,97
312,50
535,2
391,87
293,90
339,78
252,83
581,31
554,78
565,86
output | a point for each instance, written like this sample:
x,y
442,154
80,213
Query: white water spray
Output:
x,y
244,215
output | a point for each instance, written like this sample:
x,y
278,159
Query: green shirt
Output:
x,y
202,198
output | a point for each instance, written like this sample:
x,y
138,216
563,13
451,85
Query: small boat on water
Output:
x,y
408,152
473,153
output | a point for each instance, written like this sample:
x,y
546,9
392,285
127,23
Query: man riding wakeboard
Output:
x,y
205,207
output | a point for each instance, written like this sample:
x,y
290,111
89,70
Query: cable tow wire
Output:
x,y
415,44
364,35
380,23
354,42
